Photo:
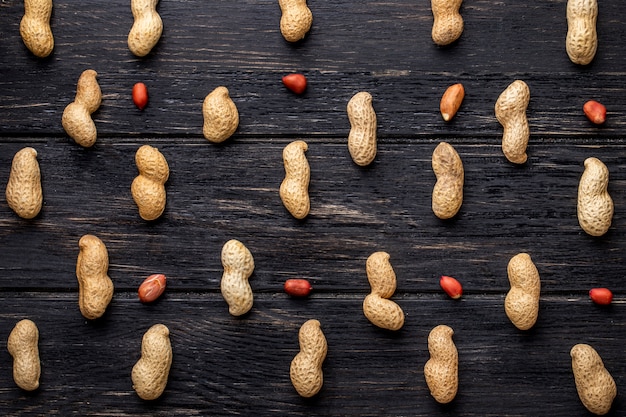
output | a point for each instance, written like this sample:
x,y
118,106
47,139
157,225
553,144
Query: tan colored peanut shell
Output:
x,y
581,42
448,23
306,367
150,373
148,189
595,386
441,371
77,120
522,301
294,190
147,27
377,307
238,265
451,101
510,111
448,190
95,288
35,27
23,346
595,205
221,117
362,140
24,193
296,19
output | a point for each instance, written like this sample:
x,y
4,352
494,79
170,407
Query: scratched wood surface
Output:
x,y
240,366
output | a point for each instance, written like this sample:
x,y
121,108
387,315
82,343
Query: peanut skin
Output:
x,y
448,190
595,205
510,111
581,42
150,373
306,367
238,265
362,136
95,287
77,120
522,301
147,27
448,23
35,27
221,117
378,309
23,346
294,190
24,193
148,189
441,371
296,19
594,384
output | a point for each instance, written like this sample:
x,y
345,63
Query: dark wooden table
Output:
x,y
240,366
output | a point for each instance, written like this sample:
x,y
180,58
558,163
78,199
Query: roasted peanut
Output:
x,y
306,367
95,288
511,113
221,117
377,307
595,385
294,190
296,19
595,205
147,27
362,136
581,42
448,190
150,373
35,27
451,101
522,301
448,23
77,120
23,346
24,193
238,265
441,371
148,189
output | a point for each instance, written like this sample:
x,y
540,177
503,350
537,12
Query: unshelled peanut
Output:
x,y
294,189
221,117
95,288
451,101
238,265
522,301
448,22
23,346
595,386
306,367
581,42
147,27
150,373
362,142
377,307
148,188
296,19
76,119
595,205
510,111
35,27
441,371
24,193
447,196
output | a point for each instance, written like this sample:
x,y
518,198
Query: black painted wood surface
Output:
x,y
240,366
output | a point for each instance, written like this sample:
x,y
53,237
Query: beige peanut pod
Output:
x,y
377,307
148,189
306,367
23,346
95,288
77,120
238,265
24,193
581,42
294,190
441,371
296,19
595,205
448,190
221,117
362,136
448,22
522,301
147,27
595,386
510,111
35,27
150,373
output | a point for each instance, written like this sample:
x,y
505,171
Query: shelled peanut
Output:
x,y
377,307
24,192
